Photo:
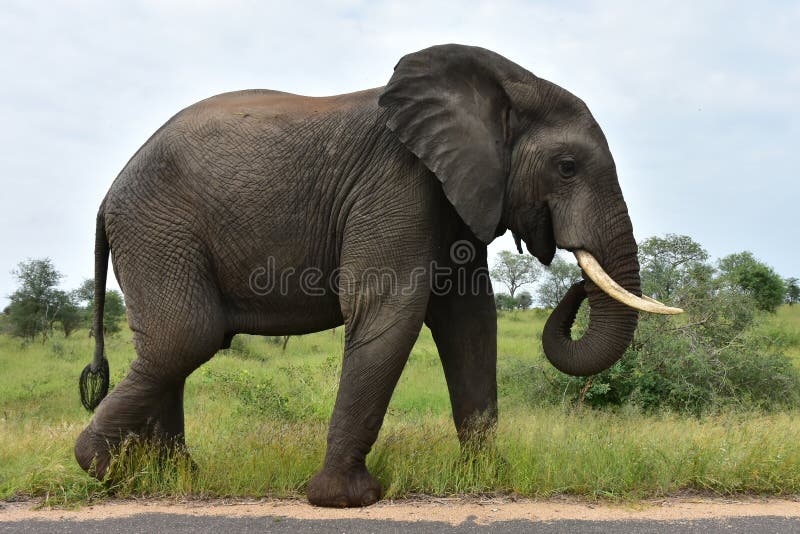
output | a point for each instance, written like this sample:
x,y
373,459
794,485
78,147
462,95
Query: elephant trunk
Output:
x,y
611,323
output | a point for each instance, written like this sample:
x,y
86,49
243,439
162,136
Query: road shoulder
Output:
x,y
446,510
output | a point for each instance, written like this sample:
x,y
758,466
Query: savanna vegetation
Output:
x,y
708,401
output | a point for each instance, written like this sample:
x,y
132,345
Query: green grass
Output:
x,y
256,421
785,326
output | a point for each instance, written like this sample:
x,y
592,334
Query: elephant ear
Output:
x,y
447,106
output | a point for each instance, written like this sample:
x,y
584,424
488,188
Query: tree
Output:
x,y
69,314
83,296
558,278
35,304
745,272
514,270
504,302
524,300
85,292
792,291
668,263
113,310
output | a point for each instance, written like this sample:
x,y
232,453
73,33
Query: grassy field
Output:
x,y
256,425
785,326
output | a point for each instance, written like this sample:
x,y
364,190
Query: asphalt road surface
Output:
x,y
180,523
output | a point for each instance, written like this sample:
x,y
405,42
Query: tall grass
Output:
x,y
257,421
784,326
540,453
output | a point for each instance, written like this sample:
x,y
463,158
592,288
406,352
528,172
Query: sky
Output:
x,y
698,100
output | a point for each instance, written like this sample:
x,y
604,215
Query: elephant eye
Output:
x,y
566,167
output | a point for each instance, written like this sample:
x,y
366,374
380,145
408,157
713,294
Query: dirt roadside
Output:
x,y
450,510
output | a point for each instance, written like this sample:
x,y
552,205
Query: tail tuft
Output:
x,y
94,385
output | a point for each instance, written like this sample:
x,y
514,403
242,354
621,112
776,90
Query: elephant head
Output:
x,y
517,152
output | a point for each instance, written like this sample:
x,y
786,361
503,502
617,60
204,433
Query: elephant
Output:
x,y
412,180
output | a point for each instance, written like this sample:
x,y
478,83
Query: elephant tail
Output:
x,y
94,379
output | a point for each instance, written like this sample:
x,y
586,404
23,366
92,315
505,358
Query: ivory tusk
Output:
x,y
617,292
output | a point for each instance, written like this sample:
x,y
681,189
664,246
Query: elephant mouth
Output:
x,y
535,224
591,267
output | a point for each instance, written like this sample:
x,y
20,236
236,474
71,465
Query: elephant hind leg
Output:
x,y
144,409
173,336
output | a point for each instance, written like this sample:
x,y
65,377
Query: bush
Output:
x,y
243,347
677,369
257,395
306,393
712,358
240,348
672,371
504,302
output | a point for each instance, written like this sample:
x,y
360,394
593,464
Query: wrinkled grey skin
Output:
x,y
460,146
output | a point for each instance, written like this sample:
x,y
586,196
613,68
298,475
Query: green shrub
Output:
x,y
256,395
709,359
716,356
781,336
684,373
298,392
241,347
712,358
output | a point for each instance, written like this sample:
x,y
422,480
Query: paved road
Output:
x,y
179,523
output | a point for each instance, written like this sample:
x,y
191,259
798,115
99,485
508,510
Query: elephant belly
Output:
x,y
279,300
286,320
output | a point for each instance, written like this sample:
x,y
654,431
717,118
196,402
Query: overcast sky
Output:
x,y
699,102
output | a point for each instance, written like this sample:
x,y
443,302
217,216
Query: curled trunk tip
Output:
x,y
610,331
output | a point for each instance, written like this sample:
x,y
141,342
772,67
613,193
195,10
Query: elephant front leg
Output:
x,y
379,339
464,327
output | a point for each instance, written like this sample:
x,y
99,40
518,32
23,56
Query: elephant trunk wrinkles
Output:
x,y
611,323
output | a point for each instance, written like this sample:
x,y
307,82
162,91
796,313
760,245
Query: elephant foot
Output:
x,y
96,454
353,488
93,453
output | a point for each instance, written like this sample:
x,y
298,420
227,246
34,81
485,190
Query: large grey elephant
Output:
x,y
411,180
